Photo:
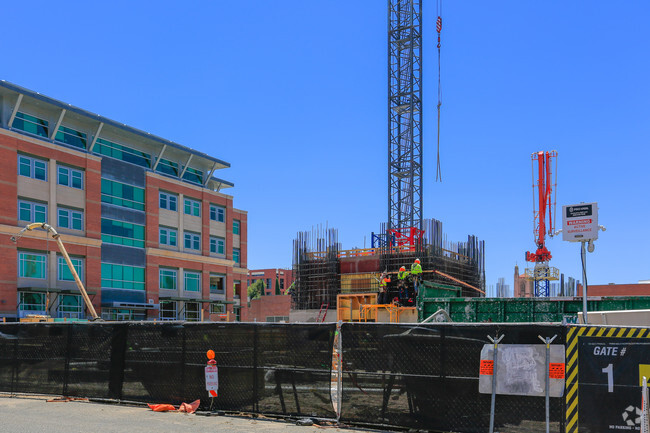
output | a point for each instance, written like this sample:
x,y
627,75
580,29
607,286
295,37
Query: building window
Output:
x,y
235,255
168,236
191,311
121,194
123,153
32,212
122,314
235,227
168,278
70,219
32,265
217,245
192,207
122,233
192,241
71,136
167,167
217,308
64,273
168,201
28,301
70,306
192,281
168,310
31,124
122,277
217,283
32,167
71,177
217,213
193,175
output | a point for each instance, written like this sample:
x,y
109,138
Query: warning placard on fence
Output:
x,y
487,367
521,370
556,370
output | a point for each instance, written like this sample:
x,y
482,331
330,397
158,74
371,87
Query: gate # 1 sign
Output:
x,y
212,380
609,375
580,222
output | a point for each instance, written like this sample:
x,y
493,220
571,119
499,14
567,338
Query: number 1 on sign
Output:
x,y
609,370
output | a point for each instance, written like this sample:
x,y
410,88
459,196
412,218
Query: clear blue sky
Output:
x,y
293,94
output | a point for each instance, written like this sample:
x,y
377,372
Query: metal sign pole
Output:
x,y
496,341
645,421
583,256
548,342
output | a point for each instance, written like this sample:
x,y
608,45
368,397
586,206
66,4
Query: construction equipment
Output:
x,y
542,273
57,237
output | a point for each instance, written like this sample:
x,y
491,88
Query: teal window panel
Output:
x,y
32,265
31,124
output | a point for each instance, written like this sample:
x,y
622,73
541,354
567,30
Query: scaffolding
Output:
x,y
316,269
317,264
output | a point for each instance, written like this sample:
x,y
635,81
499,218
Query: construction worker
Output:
x,y
402,275
416,271
383,288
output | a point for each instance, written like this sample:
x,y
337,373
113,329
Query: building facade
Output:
x,y
284,277
144,220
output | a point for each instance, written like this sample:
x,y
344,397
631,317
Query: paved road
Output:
x,y
36,415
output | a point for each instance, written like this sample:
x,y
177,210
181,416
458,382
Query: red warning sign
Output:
x,y
556,370
487,367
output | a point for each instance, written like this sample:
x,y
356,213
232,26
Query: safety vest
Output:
x,y
384,282
416,269
402,275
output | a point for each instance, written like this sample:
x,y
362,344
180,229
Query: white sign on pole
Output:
x,y
580,222
212,380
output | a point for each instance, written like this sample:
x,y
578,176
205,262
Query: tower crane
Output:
x,y
542,273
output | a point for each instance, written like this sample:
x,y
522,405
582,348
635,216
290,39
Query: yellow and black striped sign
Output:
x,y
614,361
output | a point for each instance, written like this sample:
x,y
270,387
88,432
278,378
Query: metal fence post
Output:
x,y
645,419
495,341
339,373
548,342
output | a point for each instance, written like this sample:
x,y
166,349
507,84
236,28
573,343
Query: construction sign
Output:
x,y
605,367
521,370
212,380
580,222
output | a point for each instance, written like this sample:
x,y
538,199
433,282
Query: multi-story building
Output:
x,y
284,277
144,219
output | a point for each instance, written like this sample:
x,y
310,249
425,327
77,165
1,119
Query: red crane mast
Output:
x,y
542,273
546,204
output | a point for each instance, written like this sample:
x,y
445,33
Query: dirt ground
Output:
x,y
33,414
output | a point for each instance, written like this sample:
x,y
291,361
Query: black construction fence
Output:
x,y
422,376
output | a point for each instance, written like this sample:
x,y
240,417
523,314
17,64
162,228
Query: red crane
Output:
x,y
545,207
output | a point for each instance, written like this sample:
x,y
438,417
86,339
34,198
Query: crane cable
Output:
x,y
439,29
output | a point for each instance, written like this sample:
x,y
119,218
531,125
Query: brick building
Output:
x,y
144,219
284,278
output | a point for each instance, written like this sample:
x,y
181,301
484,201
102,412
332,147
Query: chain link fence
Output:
x,y
409,375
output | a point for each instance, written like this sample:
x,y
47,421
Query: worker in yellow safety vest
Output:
x,y
402,275
416,271
383,288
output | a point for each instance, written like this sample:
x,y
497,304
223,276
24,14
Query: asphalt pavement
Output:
x,y
33,414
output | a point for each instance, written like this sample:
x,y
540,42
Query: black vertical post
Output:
x,y
68,354
14,371
119,335
255,362
183,362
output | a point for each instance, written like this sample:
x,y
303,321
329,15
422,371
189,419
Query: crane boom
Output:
x,y
48,228
546,205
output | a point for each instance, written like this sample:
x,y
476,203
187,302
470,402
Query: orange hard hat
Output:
x,y
402,268
417,260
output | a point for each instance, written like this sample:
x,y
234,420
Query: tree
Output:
x,y
277,286
256,289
